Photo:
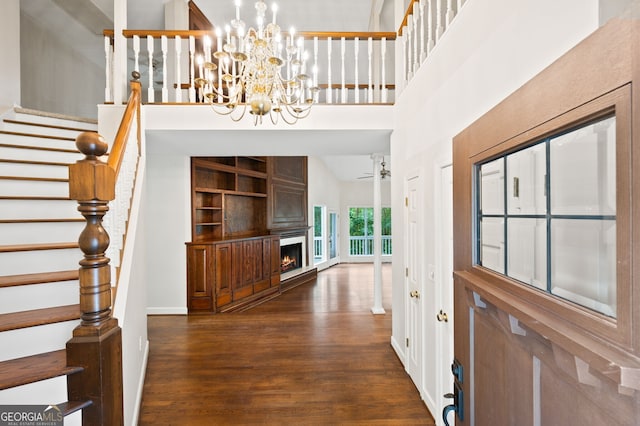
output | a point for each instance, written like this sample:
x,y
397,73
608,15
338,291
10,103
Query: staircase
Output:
x,y
39,254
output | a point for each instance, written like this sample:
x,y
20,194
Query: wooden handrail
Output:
x,y
132,111
407,13
307,35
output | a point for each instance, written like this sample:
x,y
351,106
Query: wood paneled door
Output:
x,y
546,218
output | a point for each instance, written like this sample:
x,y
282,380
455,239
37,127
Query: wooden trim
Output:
x,y
307,35
41,148
35,317
407,13
38,278
120,141
48,126
197,19
37,247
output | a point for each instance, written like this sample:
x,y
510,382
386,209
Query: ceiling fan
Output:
x,y
383,172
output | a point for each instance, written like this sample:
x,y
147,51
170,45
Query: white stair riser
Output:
x,y
46,131
54,121
34,188
34,340
41,232
49,392
33,170
39,155
27,262
38,296
38,209
35,141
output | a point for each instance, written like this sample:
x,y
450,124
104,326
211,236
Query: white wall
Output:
x,y
168,218
10,48
56,77
491,49
360,194
323,190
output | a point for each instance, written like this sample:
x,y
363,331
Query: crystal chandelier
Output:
x,y
256,69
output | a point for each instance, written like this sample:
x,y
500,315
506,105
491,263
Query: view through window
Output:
x,y
361,231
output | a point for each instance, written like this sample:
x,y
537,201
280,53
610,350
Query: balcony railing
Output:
x,y
349,67
317,247
363,246
352,67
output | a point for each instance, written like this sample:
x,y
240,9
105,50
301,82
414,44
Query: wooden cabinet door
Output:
x,y
223,259
261,282
200,280
275,261
243,286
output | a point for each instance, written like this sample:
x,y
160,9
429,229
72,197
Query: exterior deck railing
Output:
x,y
363,246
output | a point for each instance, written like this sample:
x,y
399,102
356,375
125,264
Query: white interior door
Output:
x,y
444,294
414,280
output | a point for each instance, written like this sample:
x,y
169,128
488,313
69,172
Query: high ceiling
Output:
x,y
80,23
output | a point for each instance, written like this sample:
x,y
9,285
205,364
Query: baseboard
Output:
x,y
398,350
136,410
167,311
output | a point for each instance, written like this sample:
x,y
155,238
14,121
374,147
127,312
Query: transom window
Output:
x,y
546,215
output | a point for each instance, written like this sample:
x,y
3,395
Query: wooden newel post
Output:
x,y
97,342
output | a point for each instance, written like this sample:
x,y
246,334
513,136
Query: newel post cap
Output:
x,y
90,178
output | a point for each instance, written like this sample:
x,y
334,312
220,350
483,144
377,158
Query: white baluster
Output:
x,y
192,71
178,45
383,53
450,12
430,39
329,89
416,33
150,91
343,51
356,51
460,3
439,28
423,24
108,65
165,92
136,53
370,61
408,50
315,68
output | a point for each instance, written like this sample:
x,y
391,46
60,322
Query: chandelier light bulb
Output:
x,y
274,10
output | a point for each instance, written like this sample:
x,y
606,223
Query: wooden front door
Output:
x,y
546,218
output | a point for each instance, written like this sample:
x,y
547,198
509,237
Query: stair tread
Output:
x,y
30,369
49,126
41,148
36,317
39,278
71,407
33,198
35,135
37,179
33,247
34,162
45,220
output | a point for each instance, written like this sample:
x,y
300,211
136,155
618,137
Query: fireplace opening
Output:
x,y
290,257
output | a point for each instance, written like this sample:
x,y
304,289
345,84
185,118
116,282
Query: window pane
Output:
x,y
526,171
356,221
492,190
583,263
527,251
492,243
583,170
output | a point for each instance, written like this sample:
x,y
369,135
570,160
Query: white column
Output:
x,y
377,308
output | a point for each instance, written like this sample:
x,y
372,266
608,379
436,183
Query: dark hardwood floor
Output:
x,y
313,356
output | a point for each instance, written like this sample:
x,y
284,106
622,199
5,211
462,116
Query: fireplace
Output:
x,y
292,256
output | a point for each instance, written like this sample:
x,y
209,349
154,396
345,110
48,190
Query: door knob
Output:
x,y
442,316
415,293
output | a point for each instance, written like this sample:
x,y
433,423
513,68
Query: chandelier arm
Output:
x,y
244,109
